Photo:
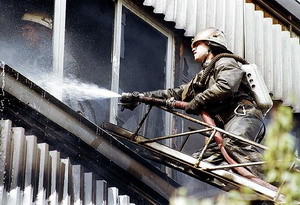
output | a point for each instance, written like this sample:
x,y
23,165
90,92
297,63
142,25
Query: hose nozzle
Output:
x,y
130,97
130,100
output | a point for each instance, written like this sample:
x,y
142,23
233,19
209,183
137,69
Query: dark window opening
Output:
x,y
89,34
142,68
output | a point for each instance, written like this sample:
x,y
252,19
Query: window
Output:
x,y
142,68
85,33
145,53
89,34
33,40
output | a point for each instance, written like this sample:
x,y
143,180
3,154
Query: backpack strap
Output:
x,y
211,65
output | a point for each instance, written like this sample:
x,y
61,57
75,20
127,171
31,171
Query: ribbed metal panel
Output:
x,y
238,29
5,159
211,8
234,26
31,174
113,196
268,56
124,200
31,168
15,195
67,179
180,14
201,16
220,15
259,40
192,18
287,67
89,192
55,177
249,35
296,72
277,62
101,192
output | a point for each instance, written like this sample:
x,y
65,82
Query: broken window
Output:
x,y
89,33
142,68
61,57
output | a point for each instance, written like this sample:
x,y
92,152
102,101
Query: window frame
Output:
x,y
170,57
59,28
58,51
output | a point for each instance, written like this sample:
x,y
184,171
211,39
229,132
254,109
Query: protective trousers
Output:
x,y
245,125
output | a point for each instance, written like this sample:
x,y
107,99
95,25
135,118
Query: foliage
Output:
x,y
281,158
234,197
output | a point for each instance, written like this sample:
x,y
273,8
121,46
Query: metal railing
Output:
x,y
186,163
208,131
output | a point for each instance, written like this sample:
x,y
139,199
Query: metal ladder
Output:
x,y
219,176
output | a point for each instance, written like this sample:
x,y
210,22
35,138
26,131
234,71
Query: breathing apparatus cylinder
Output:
x,y
258,87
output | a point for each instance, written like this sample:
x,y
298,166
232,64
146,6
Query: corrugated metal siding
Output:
x,y
31,174
249,34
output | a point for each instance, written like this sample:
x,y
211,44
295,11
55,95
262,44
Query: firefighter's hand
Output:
x,y
194,106
129,100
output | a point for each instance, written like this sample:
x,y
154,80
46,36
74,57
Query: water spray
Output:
x,y
84,91
74,88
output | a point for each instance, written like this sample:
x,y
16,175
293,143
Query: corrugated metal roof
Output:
x,y
249,35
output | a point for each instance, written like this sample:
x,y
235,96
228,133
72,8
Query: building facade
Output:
x,y
125,46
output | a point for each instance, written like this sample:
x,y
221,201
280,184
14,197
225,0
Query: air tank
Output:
x,y
258,87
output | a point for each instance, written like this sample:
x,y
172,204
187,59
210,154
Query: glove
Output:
x,y
194,106
129,100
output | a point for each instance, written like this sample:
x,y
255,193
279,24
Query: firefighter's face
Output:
x,y
200,51
31,36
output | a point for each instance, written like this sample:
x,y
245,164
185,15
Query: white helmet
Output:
x,y
214,36
40,18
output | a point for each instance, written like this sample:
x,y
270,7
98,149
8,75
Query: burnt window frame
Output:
x,y
116,56
59,20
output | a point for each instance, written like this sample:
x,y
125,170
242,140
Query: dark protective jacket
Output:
x,y
226,96
225,87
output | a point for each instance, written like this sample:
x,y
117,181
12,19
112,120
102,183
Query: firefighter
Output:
x,y
36,46
36,57
225,95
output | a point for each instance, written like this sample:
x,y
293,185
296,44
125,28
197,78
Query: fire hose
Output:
x,y
136,98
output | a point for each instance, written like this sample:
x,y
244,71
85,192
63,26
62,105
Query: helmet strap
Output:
x,y
208,52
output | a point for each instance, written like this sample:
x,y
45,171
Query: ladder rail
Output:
x,y
188,161
215,128
175,135
205,147
235,165
209,128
